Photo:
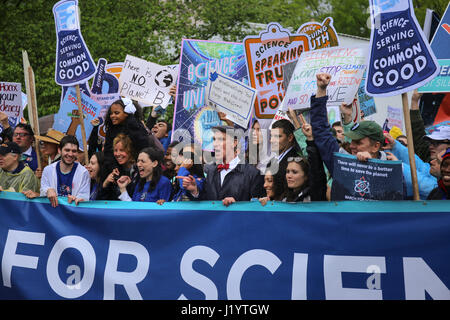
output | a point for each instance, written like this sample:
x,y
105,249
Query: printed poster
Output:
x,y
366,181
193,119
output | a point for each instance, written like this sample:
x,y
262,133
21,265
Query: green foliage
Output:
x,y
153,29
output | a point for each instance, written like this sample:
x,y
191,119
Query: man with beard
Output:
x,y
66,177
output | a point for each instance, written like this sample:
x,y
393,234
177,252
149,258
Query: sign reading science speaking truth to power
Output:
x,y
401,59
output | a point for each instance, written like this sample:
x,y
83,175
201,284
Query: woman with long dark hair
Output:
x,y
95,168
152,185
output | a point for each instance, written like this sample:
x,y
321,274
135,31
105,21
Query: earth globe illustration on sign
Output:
x,y
163,79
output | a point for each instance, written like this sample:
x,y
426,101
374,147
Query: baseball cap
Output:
x,y
441,133
364,129
9,147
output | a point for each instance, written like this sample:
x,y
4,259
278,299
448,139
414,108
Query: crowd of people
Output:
x,y
136,161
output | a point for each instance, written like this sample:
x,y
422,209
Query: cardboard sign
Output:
x,y
11,99
441,48
266,55
366,102
146,82
231,97
322,35
67,120
74,64
401,59
394,117
193,119
346,66
366,181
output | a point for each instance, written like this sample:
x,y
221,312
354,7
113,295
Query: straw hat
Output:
x,y
52,136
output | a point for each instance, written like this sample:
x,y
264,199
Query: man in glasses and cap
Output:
x,y
14,174
228,179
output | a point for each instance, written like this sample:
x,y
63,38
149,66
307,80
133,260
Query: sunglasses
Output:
x,y
295,159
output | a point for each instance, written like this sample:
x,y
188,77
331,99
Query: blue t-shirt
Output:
x,y
163,190
65,180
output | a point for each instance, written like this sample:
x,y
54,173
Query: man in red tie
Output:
x,y
228,179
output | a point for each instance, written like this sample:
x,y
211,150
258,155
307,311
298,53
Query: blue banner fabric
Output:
x,y
203,250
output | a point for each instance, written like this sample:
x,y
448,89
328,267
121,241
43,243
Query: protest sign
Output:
x,y
231,97
366,102
365,181
193,119
440,46
322,35
394,117
67,120
319,250
266,55
74,64
346,66
146,82
11,101
401,59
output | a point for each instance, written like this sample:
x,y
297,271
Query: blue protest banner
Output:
x,y
203,250
440,45
67,120
193,118
74,64
401,59
365,181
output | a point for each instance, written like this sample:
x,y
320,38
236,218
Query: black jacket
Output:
x,y
440,192
243,183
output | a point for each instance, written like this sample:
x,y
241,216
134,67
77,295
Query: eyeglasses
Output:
x,y
296,159
21,134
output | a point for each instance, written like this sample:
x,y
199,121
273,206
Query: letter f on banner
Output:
x,y
400,58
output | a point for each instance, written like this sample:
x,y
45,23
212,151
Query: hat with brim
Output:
x,y
52,136
441,133
367,128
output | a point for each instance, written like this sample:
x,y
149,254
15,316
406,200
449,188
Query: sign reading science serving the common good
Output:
x,y
146,82
401,59
231,97
74,64
346,66
266,55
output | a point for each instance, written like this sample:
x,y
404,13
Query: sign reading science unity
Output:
x,y
266,55
401,59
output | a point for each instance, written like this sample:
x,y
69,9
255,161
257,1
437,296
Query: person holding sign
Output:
x,y
367,138
124,116
227,180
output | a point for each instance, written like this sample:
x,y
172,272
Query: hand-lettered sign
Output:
x,y
346,66
74,64
231,97
146,82
266,55
401,59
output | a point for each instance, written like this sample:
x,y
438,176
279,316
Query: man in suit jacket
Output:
x,y
228,179
284,146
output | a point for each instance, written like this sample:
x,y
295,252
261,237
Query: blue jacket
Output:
x,y
426,181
